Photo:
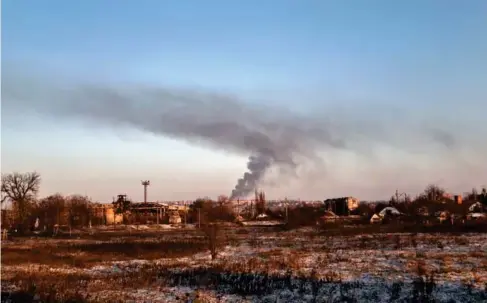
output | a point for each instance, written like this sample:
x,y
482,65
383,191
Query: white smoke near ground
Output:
x,y
271,137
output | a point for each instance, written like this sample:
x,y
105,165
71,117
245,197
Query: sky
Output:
x,y
405,67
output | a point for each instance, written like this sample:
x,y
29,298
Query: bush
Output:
x,y
303,216
207,211
213,236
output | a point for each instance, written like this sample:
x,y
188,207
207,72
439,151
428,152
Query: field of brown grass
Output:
x,y
253,265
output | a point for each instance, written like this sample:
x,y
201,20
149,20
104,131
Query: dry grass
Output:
x,y
319,265
87,254
320,287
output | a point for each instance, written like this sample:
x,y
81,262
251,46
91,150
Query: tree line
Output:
x,y
21,190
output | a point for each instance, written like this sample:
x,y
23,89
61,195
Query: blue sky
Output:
x,y
427,58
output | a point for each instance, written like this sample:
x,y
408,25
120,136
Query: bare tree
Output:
x,y
260,202
17,186
205,211
51,211
21,189
209,214
434,193
79,210
472,195
483,196
222,199
213,235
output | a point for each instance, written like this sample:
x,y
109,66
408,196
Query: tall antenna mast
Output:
x,y
145,183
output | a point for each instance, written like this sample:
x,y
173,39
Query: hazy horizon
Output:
x,y
343,99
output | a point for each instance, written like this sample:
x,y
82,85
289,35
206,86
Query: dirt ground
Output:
x,y
254,264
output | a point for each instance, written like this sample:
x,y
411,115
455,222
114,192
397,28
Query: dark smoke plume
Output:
x,y
257,166
272,137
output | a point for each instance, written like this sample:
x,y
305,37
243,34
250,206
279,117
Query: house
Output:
x,y
239,219
477,211
262,217
385,214
476,216
477,207
174,218
389,211
375,219
341,206
444,216
423,211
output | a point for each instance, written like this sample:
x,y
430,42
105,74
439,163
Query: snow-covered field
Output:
x,y
286,266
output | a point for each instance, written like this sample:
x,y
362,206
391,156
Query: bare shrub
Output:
x,y
460,240
420,267
423,289
303,216
260,205
79,210
52,211
204,211
48,288
213,235
363,242
397,242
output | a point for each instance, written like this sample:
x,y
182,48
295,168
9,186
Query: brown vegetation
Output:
x,y
292,250
204,211
256,275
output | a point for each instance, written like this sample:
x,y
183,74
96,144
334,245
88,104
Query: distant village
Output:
x,y
55,212
342,209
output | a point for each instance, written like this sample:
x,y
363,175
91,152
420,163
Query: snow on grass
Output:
x,y
366,290
449,262
262,223
377,262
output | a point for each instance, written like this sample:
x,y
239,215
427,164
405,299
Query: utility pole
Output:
x,y
399,195
199,217
287,203
145,183
185,213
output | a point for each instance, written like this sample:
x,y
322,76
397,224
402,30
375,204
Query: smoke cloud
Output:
x,y
271,137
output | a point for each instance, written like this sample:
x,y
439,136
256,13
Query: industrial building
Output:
x,y
342,206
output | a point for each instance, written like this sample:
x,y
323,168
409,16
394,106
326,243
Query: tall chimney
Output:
x,y
458,199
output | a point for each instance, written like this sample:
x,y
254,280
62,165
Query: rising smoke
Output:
x,y
257,166
271,136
